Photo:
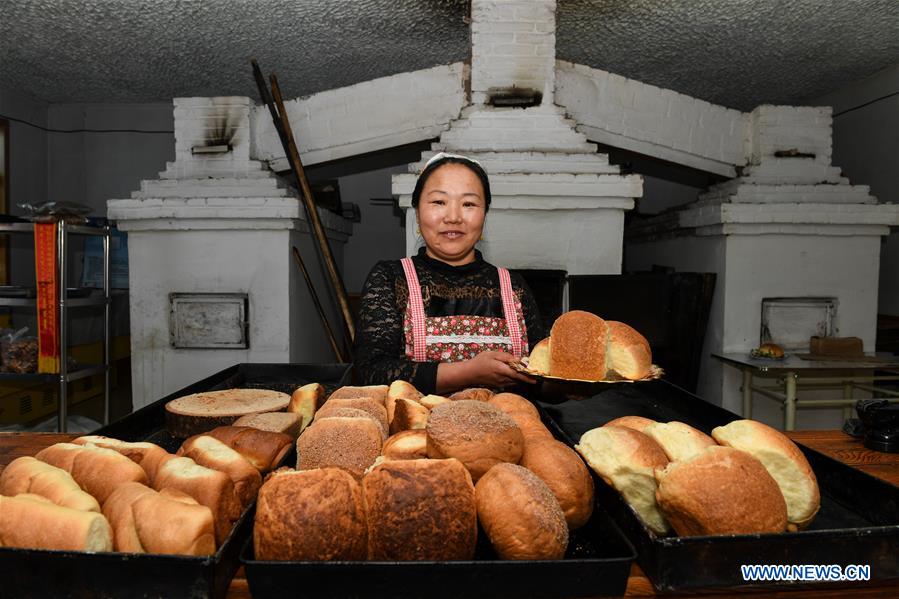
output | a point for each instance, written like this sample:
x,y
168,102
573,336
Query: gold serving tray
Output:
x,y
655,372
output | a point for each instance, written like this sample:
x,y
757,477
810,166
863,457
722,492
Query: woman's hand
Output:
x,y
487,369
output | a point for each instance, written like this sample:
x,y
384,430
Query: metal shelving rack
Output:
x,y
64,376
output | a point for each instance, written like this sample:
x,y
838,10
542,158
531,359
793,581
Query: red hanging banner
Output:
x,y
47,297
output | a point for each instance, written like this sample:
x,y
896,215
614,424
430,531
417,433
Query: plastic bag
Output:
x,y
71,212
18,353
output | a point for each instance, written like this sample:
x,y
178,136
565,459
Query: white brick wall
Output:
x,y
203,121
372,115
804,129
513,44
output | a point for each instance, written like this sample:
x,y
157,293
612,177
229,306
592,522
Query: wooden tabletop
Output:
x,y
833,443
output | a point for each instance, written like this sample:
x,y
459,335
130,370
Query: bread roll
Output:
x,y
679,441
638,423
212,453
29,475
340,412
408,415
305,401
34,522
200,412
348,443
287,423
148,456
97,470
520,514
721,491
539,358
512,402
399,390
263,449
208,487
374,408
406,445
420,510
474,393
563,471
431,401
313,515
578,346
784,461
628,352
532,429
476,433
376,392
144,521
626,460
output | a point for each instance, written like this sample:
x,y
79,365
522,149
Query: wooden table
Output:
x,y
835,444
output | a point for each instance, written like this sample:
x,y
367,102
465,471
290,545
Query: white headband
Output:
x,y
442,155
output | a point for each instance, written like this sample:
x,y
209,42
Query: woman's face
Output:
x,y
451,211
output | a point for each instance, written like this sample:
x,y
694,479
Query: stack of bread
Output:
x,y
745,478
583,346
449,463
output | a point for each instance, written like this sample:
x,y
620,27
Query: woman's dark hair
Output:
x,y
432,166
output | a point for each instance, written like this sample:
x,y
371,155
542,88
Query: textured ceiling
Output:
x,y
739,53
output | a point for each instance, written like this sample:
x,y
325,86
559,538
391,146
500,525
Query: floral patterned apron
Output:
x,y
457,338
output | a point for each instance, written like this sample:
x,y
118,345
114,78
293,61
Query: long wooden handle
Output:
x,y
318,306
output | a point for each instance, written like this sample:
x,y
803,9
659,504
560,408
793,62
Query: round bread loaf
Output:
x,y
349,443
721,491
563,471
628,354
520,514
626,459
538,361
475,393
476,433
406,445
512,402
784,461
200,412
577,348
531,428
313,515
637,423
420,510
679,441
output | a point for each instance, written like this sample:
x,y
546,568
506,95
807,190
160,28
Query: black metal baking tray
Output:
x,y
858,523
598,563
39,573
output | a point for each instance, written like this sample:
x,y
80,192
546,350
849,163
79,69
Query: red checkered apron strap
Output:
x,y
417,310
509,311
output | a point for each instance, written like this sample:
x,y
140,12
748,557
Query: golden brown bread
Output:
x,y
34,522
406,445
638,423
97,470
420,510
531,428
341,412
408,415
374,408
264,449
538,361
200,412
349,443
376,392
29,475
208,487
512,402
210,452
305,401
520,514
431,401
628,354
311,515
287,423
626,459
784,461
721,491
474,393
563,471
578,346
144,521
148,456
476,433
770,350
678,440
399,389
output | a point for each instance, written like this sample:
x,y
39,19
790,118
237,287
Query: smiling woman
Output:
x,y
446,319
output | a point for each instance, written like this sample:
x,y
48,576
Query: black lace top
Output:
x,y
471,289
